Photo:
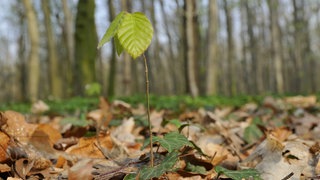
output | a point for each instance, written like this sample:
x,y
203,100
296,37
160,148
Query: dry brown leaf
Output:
x,y
81,170
88,146
101,117
22,167
61,161
4,143
281,133
301,101
123,133
17,127
4,168
63,144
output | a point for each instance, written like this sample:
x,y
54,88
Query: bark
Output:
x,y
69,42
113,62
212,46
231,49
33,59
85,45
255,86
177,84
276,47
54,74
163,67
191,48
298,46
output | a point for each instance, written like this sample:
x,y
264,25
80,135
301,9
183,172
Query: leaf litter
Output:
x,y
277,139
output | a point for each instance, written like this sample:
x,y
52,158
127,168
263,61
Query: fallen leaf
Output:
x,y
39,107
4,143
17,127
87,147
81,170
301,101
4,168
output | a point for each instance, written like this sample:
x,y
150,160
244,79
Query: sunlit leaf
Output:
x,y
113,28
240,174
135,33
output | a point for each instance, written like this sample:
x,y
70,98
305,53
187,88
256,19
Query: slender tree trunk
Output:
x,y
33,59
298,46
177,84
212,49
69,41
191,47
22,63
231,49
276,43
253,48
113,62
54,74
85,44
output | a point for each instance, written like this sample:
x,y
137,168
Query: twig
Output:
x,y
148,107
288,176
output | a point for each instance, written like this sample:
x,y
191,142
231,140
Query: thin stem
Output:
x,y
148,107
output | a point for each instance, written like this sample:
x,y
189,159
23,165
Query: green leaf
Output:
x,y
173,141
130,177
239,175
135,33
113,28
119,47
252,133
196,169
166,165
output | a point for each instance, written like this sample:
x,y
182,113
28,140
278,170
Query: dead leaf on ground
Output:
x,y
301,101
17,127
88,147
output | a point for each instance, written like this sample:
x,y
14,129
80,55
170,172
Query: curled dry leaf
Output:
x,y
63,144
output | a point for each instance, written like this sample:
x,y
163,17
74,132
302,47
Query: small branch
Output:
x,y
148,107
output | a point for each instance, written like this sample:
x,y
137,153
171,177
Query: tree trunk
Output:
x,y
231,49
177,84
54,74
298,46
113,62
69,41
85,45
191,48
276,43
212,49
33,59
253,48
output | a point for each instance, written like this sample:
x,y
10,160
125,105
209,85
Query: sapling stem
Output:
x,y
148,107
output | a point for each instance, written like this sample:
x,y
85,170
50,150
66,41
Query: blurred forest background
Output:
x,y
48,49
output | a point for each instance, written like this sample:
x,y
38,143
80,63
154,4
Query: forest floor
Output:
x,y
277,138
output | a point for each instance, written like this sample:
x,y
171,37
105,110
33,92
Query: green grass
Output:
x,y
175,103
